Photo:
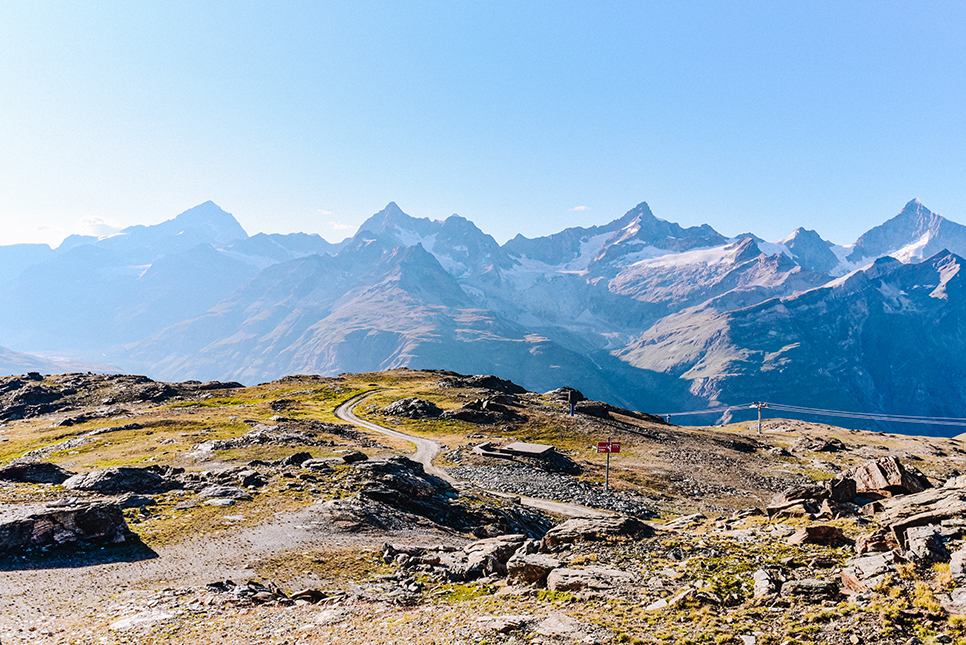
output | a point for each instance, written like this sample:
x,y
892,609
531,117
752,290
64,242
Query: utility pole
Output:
x,y
759,405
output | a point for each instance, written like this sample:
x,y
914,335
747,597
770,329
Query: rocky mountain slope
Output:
x,y
139,511
640,312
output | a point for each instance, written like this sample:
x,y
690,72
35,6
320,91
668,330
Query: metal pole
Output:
x,y
607,470
607,474
759,418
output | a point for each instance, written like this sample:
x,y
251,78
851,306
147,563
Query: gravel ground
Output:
x,y
534,482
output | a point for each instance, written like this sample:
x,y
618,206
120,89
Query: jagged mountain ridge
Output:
x,y
581,307
878,339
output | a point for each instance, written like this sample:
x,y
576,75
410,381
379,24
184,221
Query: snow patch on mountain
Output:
x,y
774,248
709,256
409,237
913,252
947,272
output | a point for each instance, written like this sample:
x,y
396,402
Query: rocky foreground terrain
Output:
x,y
133,511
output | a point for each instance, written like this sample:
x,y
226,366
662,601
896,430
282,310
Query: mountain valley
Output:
x,y
640,312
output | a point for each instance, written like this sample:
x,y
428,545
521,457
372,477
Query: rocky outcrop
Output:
x,y
931,506
119,479
413,408
485,381
28,527
887,477
25,397
483,411
871,481
587,529
811,588
589,579
36,472
530,568
389,486
867,572
818,534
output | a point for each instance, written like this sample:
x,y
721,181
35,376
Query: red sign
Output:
x,y
609,446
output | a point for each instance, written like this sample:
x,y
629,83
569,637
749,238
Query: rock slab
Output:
x,y
36,526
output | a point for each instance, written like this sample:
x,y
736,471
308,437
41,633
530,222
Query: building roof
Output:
x,y
522,448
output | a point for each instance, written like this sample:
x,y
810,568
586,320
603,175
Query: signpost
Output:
x,y
608,447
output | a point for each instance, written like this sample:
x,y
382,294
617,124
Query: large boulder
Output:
x,y
33,526
810,588
594,579
926,544
530,568
877,541
413,408
931,506
767,584
887,476
818,534
224,492
489,556
593,529
117,480
35,472
864,573
957,566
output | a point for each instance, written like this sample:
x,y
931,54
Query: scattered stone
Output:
x,y
657,604
751,511
931,506
817,444
250,479
143,619
354,457
955,602
559,625
503,624
331,616
308,595
685,521
489,556
566,394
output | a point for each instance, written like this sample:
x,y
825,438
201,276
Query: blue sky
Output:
x,y
521,116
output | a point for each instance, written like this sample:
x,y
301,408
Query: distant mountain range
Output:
x,y
639,312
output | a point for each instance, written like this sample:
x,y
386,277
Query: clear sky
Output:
x,y
521,116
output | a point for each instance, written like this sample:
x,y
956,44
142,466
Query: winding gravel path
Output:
x,y
427,449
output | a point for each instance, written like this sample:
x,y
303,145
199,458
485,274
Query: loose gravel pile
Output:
x,y
534,482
